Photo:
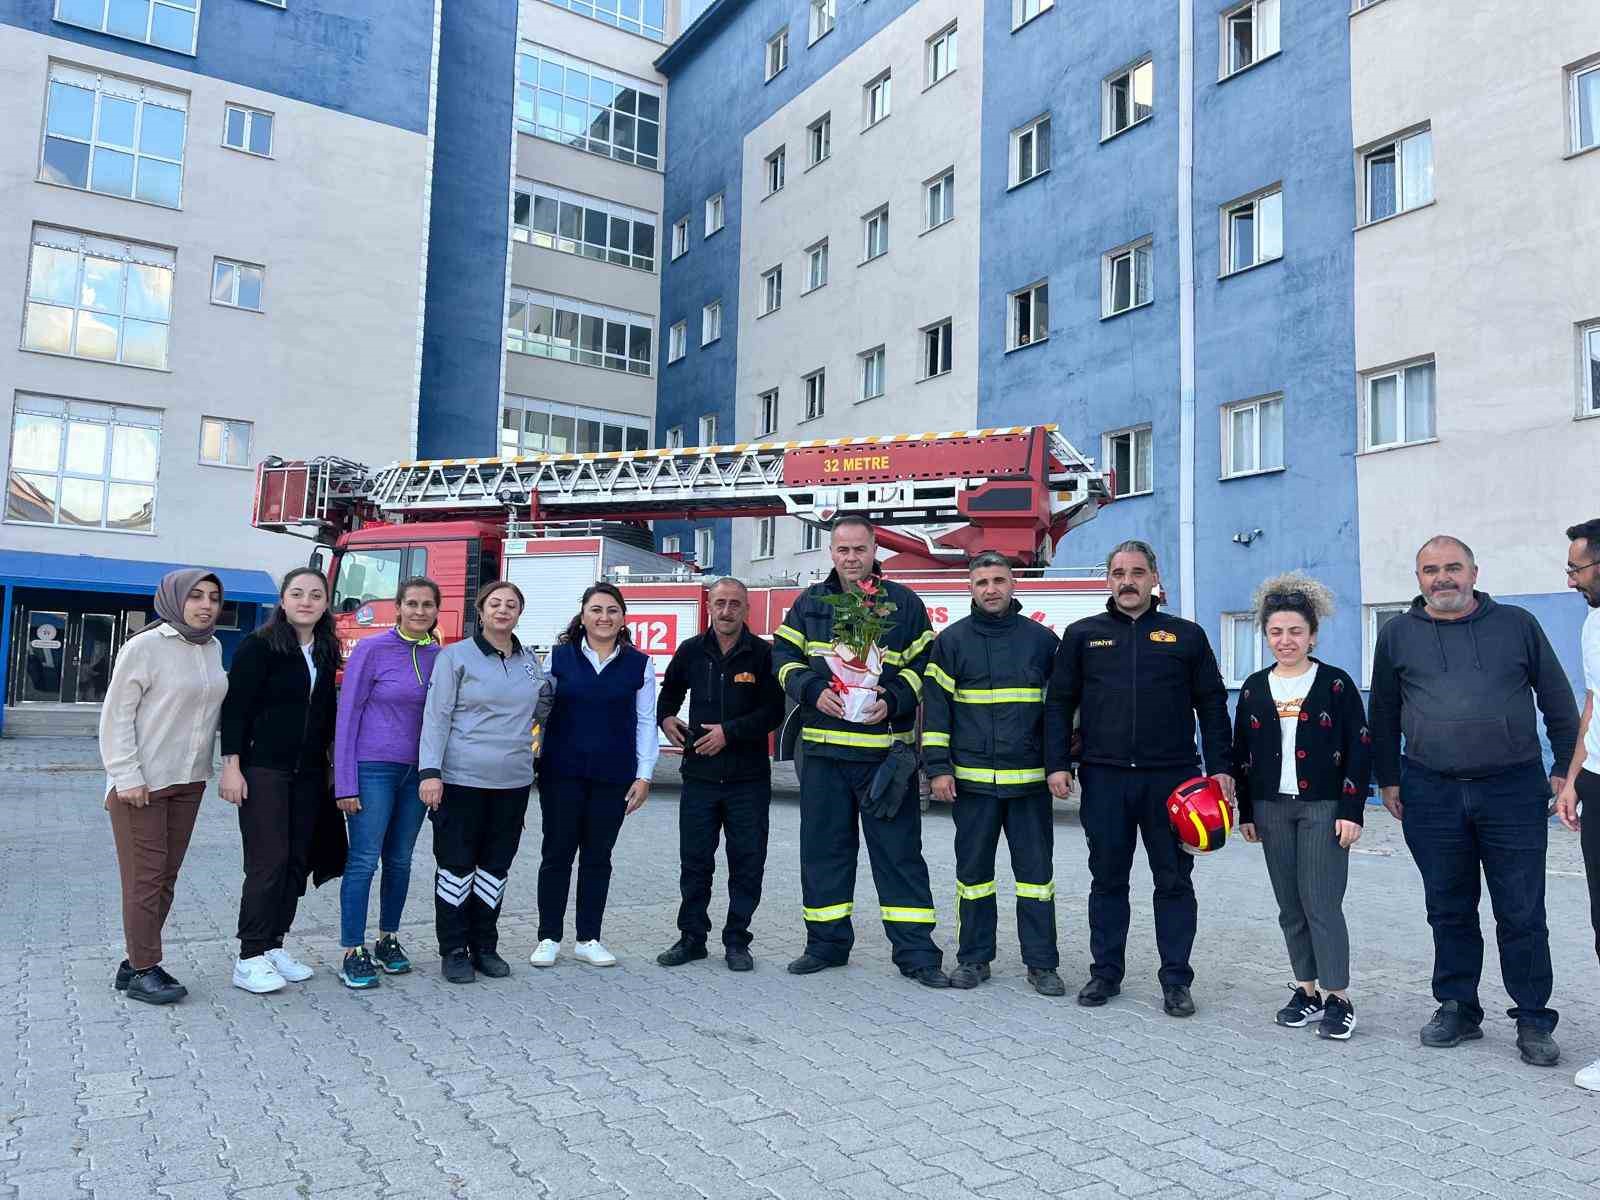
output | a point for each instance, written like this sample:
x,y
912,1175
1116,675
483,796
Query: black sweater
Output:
x,y
1332,746
272,717
737,691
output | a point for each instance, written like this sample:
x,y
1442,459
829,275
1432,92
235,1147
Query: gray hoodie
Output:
x,y
477,722
1462,692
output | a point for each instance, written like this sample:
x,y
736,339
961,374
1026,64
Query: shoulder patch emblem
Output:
x,y
1162,635
744,677
1096,643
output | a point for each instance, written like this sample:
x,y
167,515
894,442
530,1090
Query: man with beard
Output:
x,y
1457,675
1583,777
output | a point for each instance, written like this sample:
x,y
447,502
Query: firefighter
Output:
x,y
842,760
1138,678
983,748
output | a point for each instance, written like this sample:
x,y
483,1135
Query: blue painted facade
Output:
x,y
368,60
470,228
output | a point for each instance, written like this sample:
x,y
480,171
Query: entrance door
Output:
x,y
44,657
97,648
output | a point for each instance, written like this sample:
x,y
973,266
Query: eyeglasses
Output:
x,y
1294,597
1574,571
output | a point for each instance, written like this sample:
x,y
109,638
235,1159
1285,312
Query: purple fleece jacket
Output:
x,y
380,705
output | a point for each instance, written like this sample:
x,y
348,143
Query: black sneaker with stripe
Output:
x,y
358,970
1300,1009
1338,1019
391,957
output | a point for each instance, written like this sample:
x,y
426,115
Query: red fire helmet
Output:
x,y
1200,814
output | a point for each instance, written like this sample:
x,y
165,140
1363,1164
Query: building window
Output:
x,y
591,335
575,223
1252,436
810,537
769,412
675,438
530,426
1252,230
876,101
1400,405
816,393
647,19
875,228
941,54
170,24
1244,649
115,136
778,52
1127,98
822,16
671,544
871,373
1029,316
1249,34
1399,175
939,199
936,348
1023,11
84,466
1375,617
1125,278
236,284
224,443
775,165
772,290
819,139
1586,108
1030,150
817,265
766,537
247,129
677,342
708,430
715,213
711,322
704,548
587,107
92,297
1589,344
1127,452
680,237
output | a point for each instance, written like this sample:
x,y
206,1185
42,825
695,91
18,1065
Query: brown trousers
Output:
x,y
151,842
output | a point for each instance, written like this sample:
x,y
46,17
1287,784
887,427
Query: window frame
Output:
x,y
865,372
814,252
716,203
1230,469
1107,86
568,337
127,254
65,411
711,323
814,389
767,405
1226,216
250,113
1394,146
1108,458
818,12
776,168
677,342
945,183
1589,370
771,299
673,439
706,430
1014,176
238,267
1225,68
124,89
946,38
938,341
819,140
680,239
580,117
766,539
869,92
585,208
879,218
1108,266
1020,15
1588,68
1229,623
776,57
611,16
227,424
149,24
671,543
1398,372
1014,339
1370,628
810,537
704,536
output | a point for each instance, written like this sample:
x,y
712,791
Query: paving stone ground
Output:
x,y
638,1081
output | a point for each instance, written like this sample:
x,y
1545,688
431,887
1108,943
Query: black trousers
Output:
x,y
476,832
581,817
276,822
830,827
1119,807
1588,785
705,811
1029,826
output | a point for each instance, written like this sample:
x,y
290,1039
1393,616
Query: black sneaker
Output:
x,y
685,949
124,974
1451,1026
1300,1009
457,967
1537,1046
391,957
1097,991
739,959
1338,1020
491,964
358,970
929,977
1177,1001
810,964
1046,982
155,986
969,975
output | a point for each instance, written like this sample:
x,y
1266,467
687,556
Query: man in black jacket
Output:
x,y
734,703
1136,678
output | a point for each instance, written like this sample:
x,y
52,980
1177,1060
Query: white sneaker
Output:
x,y
257,975
594,953
545,953
1589,1078
287,965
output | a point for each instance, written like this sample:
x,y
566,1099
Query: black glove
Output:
x,y
890,782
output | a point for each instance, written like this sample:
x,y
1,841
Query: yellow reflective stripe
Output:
x,y
872,741
999,696
787,670
899,658
1205,838
917,916
940,676
819,647
791,636
975,891
932,737
914,680
988,775
1036,891
831,912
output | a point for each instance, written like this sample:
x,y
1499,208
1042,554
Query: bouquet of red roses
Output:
x,y
860,616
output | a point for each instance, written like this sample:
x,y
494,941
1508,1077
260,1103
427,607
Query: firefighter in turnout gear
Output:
x,y
841,761
983,748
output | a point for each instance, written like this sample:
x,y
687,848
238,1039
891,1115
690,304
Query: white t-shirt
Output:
x,y
307,649
1290,695
1591,681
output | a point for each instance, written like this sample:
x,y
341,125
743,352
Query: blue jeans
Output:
x,y
1501,823
386,828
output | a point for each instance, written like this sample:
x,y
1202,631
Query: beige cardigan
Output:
x,y
160,714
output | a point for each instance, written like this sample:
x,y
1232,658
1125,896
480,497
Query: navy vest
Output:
x,y
591,729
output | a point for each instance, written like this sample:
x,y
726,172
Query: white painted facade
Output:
x,y
1495,280
337,216
926,276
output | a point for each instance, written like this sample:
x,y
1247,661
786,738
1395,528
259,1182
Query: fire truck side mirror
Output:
x,y
322,559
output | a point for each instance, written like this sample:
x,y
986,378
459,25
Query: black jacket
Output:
x,y
1332,744
271,716
1136,687
983,703
797,649
738,692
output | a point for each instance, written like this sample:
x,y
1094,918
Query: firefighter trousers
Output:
x,y
1029,825
831,826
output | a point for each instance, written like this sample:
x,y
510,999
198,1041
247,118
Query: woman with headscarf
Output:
x,y
157,725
